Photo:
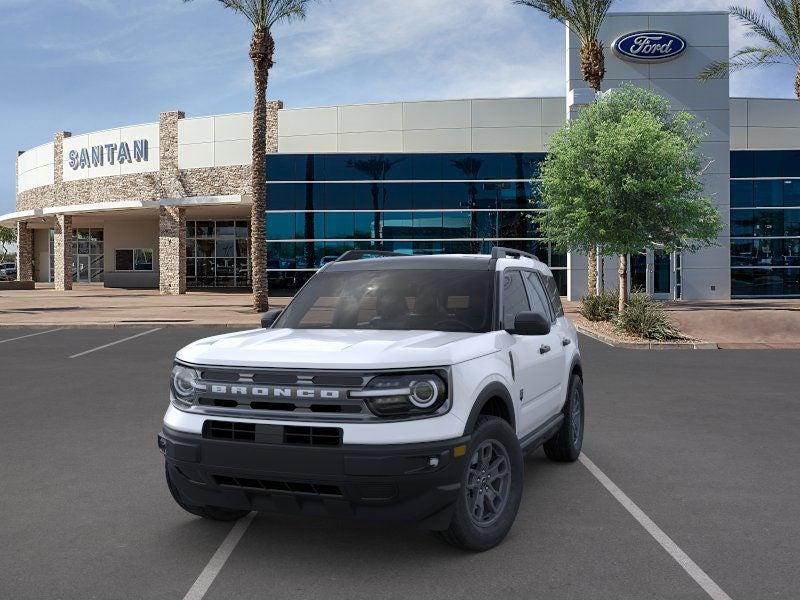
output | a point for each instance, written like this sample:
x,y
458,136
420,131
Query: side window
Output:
x,y
552,291
515,300
537,295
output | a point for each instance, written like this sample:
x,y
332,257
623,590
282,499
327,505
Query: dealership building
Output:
x,y
167,204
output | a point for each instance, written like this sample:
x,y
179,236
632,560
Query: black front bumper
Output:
x,y
403,482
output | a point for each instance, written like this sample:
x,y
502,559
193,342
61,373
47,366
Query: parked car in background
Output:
x,y
8,271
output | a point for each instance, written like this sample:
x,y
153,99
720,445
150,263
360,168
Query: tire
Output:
x,y
478,532
215,513
566,444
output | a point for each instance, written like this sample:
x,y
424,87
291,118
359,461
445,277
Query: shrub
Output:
x,y
646,318
601,307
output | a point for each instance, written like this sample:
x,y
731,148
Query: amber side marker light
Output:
x,y
459,451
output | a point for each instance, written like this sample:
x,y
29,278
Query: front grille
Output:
x,y
272,434
314,489
296,395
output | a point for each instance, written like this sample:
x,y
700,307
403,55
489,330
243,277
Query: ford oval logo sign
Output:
x,y
649,46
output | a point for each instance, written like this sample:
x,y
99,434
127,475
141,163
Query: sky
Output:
x,y
86,65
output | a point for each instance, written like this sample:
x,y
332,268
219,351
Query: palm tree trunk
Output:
x,y
623,282
593,67
593,70
261,51
797,84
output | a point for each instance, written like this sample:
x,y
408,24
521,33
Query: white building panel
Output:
x,y
554,111
768,138
738,108
773,113
371,141
508,112
370,117
237,126
233,152
437,140
308,121
196,131
302,144
195,156
698,29
444,114
507,139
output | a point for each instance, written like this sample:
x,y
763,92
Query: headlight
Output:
x,y
407,394
184,380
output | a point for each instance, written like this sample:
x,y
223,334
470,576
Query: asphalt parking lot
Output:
x,y
704,443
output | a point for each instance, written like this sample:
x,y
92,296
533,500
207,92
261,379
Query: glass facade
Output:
x,y
321,205
88,262
217,254
765,223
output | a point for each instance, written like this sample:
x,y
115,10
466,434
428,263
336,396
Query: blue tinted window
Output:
x,y
339,196
457,224
455,195
765,282
367,196
741,194
280,226
281,167
397,196
742,164
768,163
398,225
742,223
465,166
427,224
768,193
426,195
365,225
281,196
426,166
339,225
791,192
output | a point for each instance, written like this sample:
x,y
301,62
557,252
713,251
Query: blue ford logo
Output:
x,y
649,46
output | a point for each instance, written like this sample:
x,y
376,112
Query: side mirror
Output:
x,y
269,317
531,323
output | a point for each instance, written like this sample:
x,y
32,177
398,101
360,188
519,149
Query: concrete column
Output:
x,y
24,252
62,250
172,250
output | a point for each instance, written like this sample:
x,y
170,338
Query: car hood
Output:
x,y
338,348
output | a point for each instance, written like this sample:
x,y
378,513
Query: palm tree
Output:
x,y
780,41
584,19
263,15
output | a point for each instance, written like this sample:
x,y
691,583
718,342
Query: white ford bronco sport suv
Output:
x,y
400,388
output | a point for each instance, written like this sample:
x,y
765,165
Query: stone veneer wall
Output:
x,y
62,250
24,252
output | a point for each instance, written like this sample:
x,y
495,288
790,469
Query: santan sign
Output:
x,y
649,46
97,156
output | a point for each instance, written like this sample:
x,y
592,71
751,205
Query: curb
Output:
x,y
645,345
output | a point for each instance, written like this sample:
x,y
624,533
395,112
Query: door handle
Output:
x,y
566,342
544,349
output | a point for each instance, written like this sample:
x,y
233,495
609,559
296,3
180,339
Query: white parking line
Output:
x,y
115,343
22,337
688,565
214,566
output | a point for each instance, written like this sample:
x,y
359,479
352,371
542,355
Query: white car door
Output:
x,y
534,357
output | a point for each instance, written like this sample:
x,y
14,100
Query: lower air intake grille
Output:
x,y
229,430
315,489
312,436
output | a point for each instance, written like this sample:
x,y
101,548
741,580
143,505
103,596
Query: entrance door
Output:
x,y
83,268
638,270
662,271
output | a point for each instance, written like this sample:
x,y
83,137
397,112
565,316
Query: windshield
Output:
x,y
436,300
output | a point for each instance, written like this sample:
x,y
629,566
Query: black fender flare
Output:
x,y
492,390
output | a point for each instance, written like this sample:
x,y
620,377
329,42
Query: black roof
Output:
x,y
461,262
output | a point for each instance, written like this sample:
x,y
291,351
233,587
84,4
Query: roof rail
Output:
x,y
362,254
501,252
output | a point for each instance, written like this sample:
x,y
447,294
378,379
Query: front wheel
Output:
x,y
566,444
491,488
215,513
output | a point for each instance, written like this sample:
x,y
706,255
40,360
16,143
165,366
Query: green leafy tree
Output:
x,y
627,174
584,19
8,236
263,15
778,40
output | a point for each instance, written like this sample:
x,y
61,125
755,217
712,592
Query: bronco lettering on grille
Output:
x,y
275,392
